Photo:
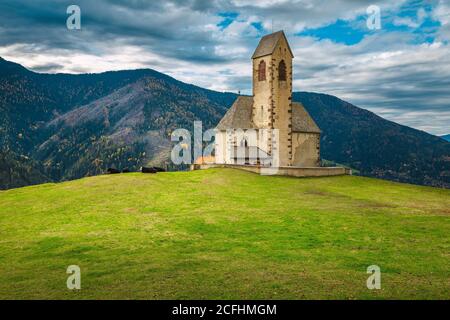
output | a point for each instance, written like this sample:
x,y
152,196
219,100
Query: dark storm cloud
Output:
x,y
171,28
47,68
143,23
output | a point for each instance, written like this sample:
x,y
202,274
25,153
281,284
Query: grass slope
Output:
x,y
223,233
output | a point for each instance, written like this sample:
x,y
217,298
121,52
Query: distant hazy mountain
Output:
x,y
59,126
375,146
446,137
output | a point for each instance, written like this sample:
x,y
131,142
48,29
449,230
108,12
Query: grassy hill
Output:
x,y
224,233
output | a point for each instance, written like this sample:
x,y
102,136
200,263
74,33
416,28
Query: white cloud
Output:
x,y
406,21
410,22
442,12
384,72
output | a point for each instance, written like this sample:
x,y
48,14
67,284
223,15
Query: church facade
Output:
x,y
248,126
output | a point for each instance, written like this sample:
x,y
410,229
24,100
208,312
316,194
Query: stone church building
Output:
x,y
270,107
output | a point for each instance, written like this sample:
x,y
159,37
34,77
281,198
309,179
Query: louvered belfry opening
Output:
x,y
262,71
282,71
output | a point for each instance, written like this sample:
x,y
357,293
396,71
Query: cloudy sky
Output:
x,y
400,71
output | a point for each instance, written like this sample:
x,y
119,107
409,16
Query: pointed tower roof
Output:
x,y
268,43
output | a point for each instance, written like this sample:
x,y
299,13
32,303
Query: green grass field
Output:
x,y
224,234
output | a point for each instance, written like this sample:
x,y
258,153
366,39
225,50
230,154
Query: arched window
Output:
x,y
282,71
262,71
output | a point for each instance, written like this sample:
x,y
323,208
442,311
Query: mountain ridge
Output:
x,y
78,125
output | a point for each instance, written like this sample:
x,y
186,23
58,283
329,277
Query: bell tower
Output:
x,y
272,92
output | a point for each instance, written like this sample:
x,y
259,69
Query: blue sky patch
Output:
x,y
414,17
341,31
228,18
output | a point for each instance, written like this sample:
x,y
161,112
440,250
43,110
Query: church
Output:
x,y
269,109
